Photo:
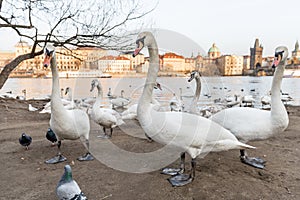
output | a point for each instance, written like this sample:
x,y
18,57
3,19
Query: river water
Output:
x,y
212,87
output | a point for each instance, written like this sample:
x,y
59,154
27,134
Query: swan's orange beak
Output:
x,y
46,62
136,51
276,61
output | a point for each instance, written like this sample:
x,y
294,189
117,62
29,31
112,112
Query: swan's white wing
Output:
x,y
187,131
245,123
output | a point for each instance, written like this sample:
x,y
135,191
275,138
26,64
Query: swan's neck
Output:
x,y
99,97
276,104
56,103
193,108
151,76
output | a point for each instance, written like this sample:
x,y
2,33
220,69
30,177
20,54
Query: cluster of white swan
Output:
x,y
196,132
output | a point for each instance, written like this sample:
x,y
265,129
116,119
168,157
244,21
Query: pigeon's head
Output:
x,y
23,135
67,176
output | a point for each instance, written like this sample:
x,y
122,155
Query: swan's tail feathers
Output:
x,y
245,146
223,145
120,122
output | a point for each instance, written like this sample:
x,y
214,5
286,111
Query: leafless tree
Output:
x,y
70,23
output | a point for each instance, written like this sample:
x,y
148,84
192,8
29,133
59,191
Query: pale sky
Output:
x,y
232,24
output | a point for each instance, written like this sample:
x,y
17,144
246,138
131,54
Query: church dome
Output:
x,y
213,49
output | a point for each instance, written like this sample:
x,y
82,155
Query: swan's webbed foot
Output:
x,y
253,161
56,159
172,171
86,157
180,180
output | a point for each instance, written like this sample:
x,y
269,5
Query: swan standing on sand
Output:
x,y
254,124
105,117
190,133
67,124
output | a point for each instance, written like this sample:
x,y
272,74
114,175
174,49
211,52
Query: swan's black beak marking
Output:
x,y
277,58
192,76
139,46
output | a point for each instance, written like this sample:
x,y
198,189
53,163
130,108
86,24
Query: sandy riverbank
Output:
x,y
219,175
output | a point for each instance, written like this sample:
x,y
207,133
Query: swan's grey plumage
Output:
x,y
105,117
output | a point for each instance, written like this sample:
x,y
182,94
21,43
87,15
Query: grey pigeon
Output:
x,y
67,188
25,140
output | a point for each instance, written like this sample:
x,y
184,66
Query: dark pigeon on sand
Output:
x,y
50,135
25,140
67,188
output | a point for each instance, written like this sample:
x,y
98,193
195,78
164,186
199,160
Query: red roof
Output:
x,y
113,58
172,55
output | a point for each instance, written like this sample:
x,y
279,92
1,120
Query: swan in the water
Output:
x,y
120,101
254,124
110,95
248,100
193,106
190,133
176,104
105,117
205,111
131,112
67,124
71,105
265,100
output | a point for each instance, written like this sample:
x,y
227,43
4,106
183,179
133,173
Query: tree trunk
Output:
x,y
13,64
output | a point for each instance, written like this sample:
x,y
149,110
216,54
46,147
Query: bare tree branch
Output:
x,y
64,23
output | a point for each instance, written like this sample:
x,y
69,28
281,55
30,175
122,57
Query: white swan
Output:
x,y
67,124
255,124
120,101
248,100
31,108
176,104
193,106
190,133
71,105
105,117
131,112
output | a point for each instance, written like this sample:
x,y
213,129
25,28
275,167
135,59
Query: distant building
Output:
x,y
256,55
214,52
136,61
230,65
114,64
173,62
246,62
295,59
89,57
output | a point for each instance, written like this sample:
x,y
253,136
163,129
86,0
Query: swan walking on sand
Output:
x,y
67,124
190,133
254,124
105,117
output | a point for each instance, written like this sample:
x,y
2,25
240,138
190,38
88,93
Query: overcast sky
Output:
x,y
232,24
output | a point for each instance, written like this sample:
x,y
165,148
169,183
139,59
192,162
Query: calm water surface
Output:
x,y
216,87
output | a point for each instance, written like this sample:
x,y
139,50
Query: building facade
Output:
x,y
256,55
230,65
295,59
